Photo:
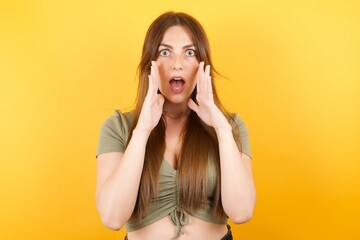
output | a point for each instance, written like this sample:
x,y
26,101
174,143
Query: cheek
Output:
x,y
163,65
162,76
162,70
193,64
193,68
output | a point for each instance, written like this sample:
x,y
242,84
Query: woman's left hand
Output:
x,y
206,109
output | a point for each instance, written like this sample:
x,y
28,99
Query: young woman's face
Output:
x,y
177,65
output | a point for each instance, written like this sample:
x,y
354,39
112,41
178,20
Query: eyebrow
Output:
x,y
169,46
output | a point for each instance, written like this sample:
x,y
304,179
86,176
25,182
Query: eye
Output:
x,y
190,52
164,52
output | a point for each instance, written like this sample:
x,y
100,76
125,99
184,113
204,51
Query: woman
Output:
x,y
177,166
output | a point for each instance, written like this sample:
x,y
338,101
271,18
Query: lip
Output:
x,y
177,76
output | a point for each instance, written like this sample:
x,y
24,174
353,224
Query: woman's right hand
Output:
x,y
152,108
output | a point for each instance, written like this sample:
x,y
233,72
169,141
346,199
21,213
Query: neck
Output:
x,y
176,110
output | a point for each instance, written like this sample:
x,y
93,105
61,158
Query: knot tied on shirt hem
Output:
x,y
179,218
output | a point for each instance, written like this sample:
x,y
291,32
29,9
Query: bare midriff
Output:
x,y
164,229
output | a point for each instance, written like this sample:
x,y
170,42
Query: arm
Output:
x,y
118,179
119,174
237,185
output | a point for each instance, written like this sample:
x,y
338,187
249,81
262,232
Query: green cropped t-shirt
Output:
x,y
113,137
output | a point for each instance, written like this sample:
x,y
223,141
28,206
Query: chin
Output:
x,y
177,99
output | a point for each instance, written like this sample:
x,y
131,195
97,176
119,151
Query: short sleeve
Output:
x,y
241,134
114,133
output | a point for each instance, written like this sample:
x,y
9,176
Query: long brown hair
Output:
x,y
197,137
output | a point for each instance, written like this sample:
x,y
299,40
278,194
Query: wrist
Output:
x,y
141,131
224,129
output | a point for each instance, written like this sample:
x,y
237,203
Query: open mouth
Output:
x,y
177,84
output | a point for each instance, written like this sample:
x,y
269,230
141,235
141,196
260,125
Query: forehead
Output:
x,y
177,35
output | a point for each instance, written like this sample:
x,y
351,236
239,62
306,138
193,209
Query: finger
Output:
x,y
150,88
193,106
154,79
206,78
156,75
156,70
210,85
199,77
151,76
198,88
152,69
202,70
203,78
207,70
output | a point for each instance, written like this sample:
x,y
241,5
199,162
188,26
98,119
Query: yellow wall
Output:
x,y
293,69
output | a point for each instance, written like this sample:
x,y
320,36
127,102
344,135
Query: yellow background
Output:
x,y
293,76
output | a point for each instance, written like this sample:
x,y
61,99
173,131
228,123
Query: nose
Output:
x,y
177,68
177,65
